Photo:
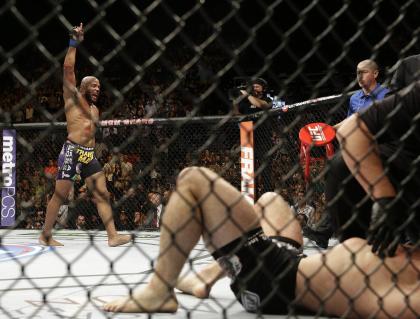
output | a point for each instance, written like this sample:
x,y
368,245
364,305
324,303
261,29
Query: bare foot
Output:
x,y
193,284
146,300
199,283
48,241
119,240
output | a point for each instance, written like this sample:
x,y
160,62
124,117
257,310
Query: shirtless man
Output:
x,y
269,274
77,155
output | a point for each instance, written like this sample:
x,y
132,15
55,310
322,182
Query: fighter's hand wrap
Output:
x,y
387,226
76,36
73,43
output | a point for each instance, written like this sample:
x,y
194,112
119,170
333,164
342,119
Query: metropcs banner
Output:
x,y
8,180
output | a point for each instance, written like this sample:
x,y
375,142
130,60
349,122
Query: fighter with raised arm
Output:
x,y
77,155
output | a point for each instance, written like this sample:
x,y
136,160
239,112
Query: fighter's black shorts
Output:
x,y
75,159
263,271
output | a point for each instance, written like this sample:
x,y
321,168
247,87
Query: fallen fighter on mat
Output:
x,y
259,248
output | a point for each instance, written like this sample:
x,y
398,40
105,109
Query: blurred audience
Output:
x,y
139,195
81,222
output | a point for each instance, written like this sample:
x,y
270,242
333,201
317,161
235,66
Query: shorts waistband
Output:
x,y
85,148
287,242
248,238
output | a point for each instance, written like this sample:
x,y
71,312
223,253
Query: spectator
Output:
x,y
151,108
101,149
126,169
109,169
39,217
156,200
41,189
26,203
205,158
29,113
303,210
133,199
37,225
151,209
123,221
108,132
35,177
95,222
154,174
19,116
50,171
81,222
29,223
139,219
118,181
63,216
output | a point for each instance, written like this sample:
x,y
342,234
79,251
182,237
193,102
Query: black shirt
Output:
x,y
245,107
395,119
395,123
407,73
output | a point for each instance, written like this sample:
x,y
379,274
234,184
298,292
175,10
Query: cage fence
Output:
x,y
169,75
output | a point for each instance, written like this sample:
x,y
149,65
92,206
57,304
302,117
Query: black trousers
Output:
x,y
347,203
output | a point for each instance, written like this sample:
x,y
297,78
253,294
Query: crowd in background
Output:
x,y
47,103
139,190
160,93
141,174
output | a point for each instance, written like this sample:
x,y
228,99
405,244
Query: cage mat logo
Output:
x,y
15,251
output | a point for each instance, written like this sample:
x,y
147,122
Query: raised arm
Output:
x,y
260,103
69,77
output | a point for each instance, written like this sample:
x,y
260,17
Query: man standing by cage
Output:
x,y
385,163
252,100
77,155
392,135
370,90
367,72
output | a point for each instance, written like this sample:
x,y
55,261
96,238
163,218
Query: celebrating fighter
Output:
x,y
77,155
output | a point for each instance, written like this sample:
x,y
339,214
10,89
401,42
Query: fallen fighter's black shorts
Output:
x,y
75,159
263,271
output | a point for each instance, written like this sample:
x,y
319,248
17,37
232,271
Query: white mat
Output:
x,y
75,280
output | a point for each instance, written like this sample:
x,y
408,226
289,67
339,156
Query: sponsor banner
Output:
x,y
247,160
126,122
8,185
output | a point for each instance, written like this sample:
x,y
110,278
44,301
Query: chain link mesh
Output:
x,y
166,71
